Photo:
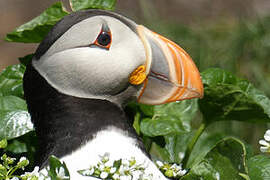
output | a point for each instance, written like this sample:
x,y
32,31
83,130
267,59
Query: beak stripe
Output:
x,y
173,75
175,68
183,77
179,91
142,91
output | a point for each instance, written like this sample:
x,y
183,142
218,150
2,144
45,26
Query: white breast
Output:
x,y
114,142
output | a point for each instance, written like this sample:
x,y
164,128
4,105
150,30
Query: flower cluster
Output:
x,y
123,169
34,175
171,170
265,143
9,166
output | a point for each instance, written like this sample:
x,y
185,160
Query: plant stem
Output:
x,y
12,170
192,144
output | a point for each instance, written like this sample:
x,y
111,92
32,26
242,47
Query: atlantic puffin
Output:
x,y
88,67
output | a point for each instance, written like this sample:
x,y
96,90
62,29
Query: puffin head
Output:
x,y
102,55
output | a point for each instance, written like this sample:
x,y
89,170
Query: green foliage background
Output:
x,y
204,135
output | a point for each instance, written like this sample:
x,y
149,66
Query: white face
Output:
x,y
75,68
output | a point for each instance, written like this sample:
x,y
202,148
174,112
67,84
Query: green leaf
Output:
x,y
230,98
26,144
161,127
181,110
204,171
16,147
77,5
12,103
174,149
26,59
11,81
259,167
169,118
14,118
203,146
148,110
35,30
244,176
136,123
225,161
23,144
117,164
55,167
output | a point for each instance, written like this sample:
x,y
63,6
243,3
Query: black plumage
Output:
x,y
64,123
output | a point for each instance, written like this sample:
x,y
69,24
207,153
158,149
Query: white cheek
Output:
x,y
87,72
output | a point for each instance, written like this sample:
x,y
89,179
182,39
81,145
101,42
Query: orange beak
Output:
x,y
171,73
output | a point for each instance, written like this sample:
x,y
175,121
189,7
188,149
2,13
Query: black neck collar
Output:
x,y
63,123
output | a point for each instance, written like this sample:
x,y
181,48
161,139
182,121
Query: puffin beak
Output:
x,y
170,73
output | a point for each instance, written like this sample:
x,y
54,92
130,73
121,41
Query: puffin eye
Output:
x,y
104,40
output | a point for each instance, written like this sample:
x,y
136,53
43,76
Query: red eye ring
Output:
x,y
104,40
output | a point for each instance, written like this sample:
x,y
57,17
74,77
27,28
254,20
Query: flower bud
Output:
x,y
169,173
3,144
22,163
2,167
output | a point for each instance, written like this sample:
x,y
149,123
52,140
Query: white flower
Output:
x,y
103,175
144,165
31,174
159,163
105,157
42,177
116,176
123,169
129,169
125,177
22,163
44,174
14,178
181,155
112,170
181,172
267,135
125,162
101,167
174,166
13,159
35,171
265,143
60,173
173,171
146,177
88,172
265,146
108,163
136,174
22,159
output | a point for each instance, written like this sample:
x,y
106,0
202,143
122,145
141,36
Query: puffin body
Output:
x,y
84,72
